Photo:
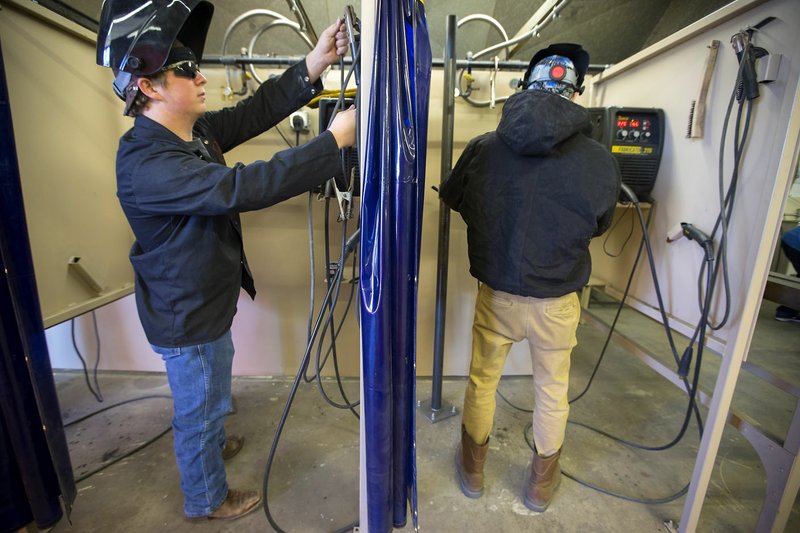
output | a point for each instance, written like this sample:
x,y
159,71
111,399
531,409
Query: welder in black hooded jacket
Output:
x,y
533,194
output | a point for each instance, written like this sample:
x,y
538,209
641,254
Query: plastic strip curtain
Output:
x,y
391,222
34,458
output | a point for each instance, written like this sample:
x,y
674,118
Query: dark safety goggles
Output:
x,y
184,69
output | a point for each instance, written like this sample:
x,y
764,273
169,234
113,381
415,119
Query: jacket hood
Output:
x,y
535,122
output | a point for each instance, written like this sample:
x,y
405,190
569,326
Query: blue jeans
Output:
x,y
200,379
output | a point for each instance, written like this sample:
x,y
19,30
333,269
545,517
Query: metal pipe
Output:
x,y
281,61
448,111
278,22
490,20
238,20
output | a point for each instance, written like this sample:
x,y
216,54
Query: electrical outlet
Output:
x,y
299,121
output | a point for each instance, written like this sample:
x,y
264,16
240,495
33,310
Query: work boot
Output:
x,y
236,504
233,443
470,457
545,479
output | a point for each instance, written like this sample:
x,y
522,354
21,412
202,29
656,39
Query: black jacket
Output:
x,y
183,204
533,194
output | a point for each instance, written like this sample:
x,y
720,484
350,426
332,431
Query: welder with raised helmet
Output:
x,y
533,194
183,202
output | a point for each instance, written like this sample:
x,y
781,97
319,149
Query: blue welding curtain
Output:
x,y
391,222
34,460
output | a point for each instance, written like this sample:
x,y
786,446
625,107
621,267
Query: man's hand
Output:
x,y
343,127
331,44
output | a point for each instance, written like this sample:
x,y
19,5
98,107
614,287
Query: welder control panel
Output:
x,y
634,129
635,137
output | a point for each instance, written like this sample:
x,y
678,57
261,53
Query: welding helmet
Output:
x,y
135,36
560,68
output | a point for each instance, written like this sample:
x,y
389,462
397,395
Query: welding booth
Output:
x,y
65,242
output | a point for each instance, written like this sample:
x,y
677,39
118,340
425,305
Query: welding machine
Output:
x,y
635,137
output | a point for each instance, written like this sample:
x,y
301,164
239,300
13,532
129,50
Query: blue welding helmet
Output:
x,y
135,36
559,68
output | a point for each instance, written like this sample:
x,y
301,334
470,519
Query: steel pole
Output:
x,y
434,409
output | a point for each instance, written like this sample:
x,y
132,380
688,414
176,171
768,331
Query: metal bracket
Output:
x,y
436,415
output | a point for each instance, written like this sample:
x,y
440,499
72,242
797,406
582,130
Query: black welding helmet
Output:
x,y
136,36
558,70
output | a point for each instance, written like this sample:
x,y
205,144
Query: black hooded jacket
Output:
x,y
533,194
183,203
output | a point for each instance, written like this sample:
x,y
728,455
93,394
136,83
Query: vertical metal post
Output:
x,y
433,409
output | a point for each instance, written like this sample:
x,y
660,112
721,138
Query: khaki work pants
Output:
x,y
549,325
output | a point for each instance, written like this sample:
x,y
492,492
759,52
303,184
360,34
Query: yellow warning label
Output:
x,y
617,149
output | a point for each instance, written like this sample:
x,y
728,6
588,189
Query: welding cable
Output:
x,y
635,499
353,283
645,243
334,332
330,325
311,261
512,405
348,404
610,232
337,329
692,404
285,139
128,453
95,390
612,327
690,389
619,309
344,81
349,246
661,307
337,107
726,210
312,266
727,199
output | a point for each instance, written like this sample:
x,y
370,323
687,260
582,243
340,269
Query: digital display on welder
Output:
x,y
634,129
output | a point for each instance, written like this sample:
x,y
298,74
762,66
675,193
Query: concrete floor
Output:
x,y
314,482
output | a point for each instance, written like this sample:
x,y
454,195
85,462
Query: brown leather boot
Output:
x,y
236,504
470,457
233,443
545,479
